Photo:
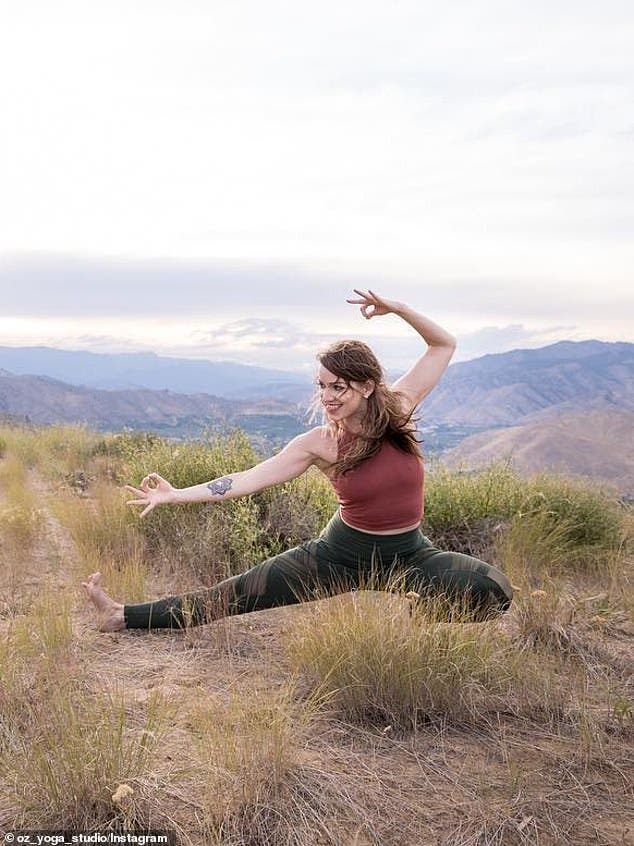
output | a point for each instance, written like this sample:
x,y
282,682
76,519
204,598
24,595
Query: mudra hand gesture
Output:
x,y
378,305
154,490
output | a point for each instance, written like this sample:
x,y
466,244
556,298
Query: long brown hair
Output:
x,y
354,361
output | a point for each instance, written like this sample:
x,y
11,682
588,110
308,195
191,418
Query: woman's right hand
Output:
x,y
154,490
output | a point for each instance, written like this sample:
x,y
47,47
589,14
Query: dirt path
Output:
x,y
210,657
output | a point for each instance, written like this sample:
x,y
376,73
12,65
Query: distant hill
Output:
x,y
495,390
44,401
109,371
598,444
490,394
509,388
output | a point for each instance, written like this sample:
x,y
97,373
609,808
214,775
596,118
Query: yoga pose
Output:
x,y
368,450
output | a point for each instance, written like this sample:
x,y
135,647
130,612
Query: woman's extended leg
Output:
x,y
299,574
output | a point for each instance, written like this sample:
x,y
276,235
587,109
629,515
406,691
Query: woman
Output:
x,y
369,452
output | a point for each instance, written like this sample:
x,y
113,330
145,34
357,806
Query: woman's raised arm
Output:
x,y
296,457
426,371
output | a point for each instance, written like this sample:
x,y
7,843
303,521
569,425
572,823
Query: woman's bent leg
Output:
x,y
297,575
477,587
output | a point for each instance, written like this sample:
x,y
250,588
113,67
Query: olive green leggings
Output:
x,y
339,560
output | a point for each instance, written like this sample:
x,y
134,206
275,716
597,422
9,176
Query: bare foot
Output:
x,y
111,617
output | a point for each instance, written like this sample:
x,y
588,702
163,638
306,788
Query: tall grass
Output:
x,y
46,630
250,745
65,764
268,778
385,661
61,452
208,542
107,538
22,526
22,442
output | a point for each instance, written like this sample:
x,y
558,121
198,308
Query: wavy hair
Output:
x,y
354,361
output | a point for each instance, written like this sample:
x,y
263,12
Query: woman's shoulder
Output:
x,y
323,446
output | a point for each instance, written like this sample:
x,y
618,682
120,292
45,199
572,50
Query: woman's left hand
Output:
x,y
374,306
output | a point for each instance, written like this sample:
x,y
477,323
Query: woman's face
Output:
x,y
341,400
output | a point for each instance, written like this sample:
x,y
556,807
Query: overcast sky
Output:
x,y
212,178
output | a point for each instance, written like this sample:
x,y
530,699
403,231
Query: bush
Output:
x,y
468,512
463,510
591,516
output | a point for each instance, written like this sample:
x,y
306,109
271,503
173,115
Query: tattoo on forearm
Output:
x,y
221,486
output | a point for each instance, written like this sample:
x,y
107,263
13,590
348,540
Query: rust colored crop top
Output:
x,y
384,492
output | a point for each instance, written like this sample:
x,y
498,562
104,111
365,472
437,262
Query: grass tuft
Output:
x,y
385,662
66,768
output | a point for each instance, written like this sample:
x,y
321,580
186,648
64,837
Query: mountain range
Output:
x,y
532,404
526,385
45,401
494,390
131,371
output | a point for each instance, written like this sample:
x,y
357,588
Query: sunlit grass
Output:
x,y
464,511
60,452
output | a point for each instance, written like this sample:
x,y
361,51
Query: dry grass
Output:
x,y
382,664
21,528
361,719
77,749
106,538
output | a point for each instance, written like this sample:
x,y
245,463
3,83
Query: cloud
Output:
x,y
285,344
50,286
491,138
256,333
73,286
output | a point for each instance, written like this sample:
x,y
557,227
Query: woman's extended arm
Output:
x,y
425,373
296,457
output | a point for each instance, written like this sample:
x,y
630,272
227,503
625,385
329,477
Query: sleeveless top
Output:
x,y
384,492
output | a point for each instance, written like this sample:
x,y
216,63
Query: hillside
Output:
x,y
505,389
365,719
45,401
598,444
110,371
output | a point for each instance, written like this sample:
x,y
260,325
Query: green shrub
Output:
x,y
213,541
463,510
592,517
467,511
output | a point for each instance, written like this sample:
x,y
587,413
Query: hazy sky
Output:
x,y
212,178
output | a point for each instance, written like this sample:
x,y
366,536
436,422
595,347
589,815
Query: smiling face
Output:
x,y
344,402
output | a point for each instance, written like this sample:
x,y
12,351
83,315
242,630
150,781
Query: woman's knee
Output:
x,y
481,586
